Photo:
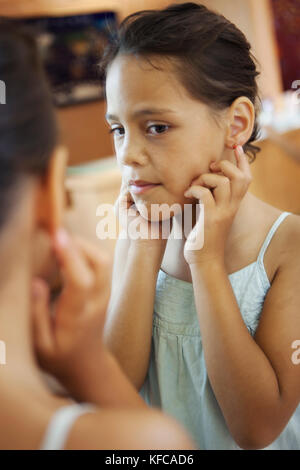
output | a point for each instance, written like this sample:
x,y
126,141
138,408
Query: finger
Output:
x,y
42,322
195,239
240,176
234,174
78,275
124,206
243,163
122,200
226,168
204,195
219,185
99,261
125,199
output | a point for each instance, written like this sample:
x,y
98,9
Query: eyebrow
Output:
x,y
141,112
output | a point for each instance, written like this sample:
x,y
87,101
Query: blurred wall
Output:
x,y
83,128
255,19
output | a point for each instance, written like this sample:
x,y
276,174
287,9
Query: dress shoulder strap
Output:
x,y
270,234
61,424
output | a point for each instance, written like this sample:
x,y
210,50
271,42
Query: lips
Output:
x,y
141,183
140,186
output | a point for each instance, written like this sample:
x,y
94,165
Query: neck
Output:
x,y
242,223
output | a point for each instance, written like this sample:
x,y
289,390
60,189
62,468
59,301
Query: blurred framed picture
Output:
x,y
287,29
71,47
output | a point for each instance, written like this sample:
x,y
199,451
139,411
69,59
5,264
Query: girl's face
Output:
x,y
161,134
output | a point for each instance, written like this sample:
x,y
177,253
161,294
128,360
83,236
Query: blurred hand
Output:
x,y
68,334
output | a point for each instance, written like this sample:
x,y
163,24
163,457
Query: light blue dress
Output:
x,y
177,380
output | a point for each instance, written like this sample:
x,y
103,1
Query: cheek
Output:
x,y
179,182
179,171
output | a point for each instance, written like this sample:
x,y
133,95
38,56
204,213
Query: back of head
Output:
x,y
28,131
211,56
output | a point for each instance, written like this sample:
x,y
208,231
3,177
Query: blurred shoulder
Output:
x,y
127,429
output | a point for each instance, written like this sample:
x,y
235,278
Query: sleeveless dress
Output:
x,y
177,380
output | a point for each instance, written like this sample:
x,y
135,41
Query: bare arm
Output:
x,y
128,328
254,379
103,383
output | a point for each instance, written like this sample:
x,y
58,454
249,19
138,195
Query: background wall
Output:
x,y
83,127
254,18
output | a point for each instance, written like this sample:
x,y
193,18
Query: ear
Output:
x,y
51,195
241,118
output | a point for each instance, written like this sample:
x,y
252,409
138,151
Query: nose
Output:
x,y
132,153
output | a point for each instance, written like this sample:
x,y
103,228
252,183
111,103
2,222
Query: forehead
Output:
x,y
132,80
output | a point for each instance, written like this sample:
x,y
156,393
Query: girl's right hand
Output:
x,y
136,228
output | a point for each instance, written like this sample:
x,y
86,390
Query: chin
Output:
x,y
158,211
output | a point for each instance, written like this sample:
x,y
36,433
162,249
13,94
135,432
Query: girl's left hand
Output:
x,y
221,193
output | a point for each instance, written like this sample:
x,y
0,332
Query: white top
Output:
x,y
61,423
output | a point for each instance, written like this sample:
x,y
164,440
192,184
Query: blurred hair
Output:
x,y
28,129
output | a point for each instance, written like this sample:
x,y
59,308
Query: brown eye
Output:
x,y
160,128
113,131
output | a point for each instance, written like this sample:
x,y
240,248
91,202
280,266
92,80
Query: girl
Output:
x,y
207,334
68,345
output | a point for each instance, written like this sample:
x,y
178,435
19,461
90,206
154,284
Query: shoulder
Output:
x,y
284,255
293,225
285,243
290,240
127,429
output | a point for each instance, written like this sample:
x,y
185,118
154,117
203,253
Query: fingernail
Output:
x,y
239,149
62,237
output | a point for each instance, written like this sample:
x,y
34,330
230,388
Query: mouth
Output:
x,y
141,186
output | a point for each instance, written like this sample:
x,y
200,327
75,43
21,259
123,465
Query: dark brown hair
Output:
x,y
28,129
212,56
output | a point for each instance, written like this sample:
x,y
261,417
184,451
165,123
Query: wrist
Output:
x,y
208,265
145,250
